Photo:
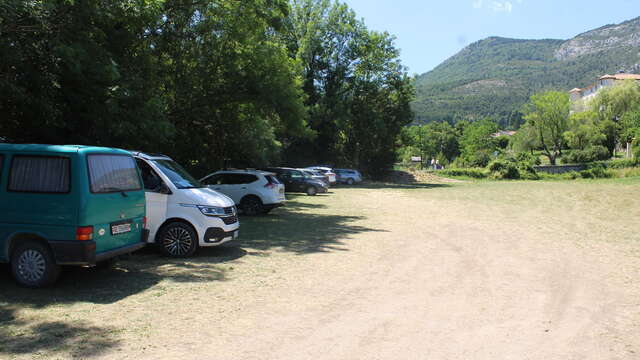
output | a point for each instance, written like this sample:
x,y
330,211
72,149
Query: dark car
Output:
x,y
297,181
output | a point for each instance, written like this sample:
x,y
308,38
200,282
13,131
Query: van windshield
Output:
x,y
178,175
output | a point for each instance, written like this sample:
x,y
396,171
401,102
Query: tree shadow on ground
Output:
x,y
129,276
297,232
77,339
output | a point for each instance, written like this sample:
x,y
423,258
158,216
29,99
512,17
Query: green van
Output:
x,y
67,205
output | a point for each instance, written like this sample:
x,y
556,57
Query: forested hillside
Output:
x,y
495,77
208,82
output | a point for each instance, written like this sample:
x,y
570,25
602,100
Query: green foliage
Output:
x,y
622,163
520,166
547,113
618,108
248,81
476,173
503,169
434,140
477,145
358,93
584,131
596,172
590,154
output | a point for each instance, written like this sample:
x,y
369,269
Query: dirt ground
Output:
x,y
486,270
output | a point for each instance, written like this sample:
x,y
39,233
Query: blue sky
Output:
x,y
430,31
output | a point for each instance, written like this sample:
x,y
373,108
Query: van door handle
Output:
x,y
244,188
216,188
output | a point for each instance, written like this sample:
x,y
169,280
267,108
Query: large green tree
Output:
x,y
358,92
616,106
548,113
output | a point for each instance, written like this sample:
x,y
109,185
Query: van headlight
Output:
x,y
211,210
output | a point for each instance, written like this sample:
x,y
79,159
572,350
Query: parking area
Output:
x,y
443,270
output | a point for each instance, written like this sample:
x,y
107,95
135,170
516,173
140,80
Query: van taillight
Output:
x,y
84,233
144,222
270,186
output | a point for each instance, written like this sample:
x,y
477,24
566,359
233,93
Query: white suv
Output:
x,y
325,170
254,192
183,214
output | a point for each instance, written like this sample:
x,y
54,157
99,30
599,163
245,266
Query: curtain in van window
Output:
x,y
39,174
111,173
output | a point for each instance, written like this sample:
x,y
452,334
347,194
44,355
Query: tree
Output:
x,y
583,131
476,143
358,92
547,113
612,104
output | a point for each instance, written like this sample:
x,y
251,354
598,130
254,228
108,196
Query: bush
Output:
x,y
596,172
475,173
622,163
528,158
590,154
504,169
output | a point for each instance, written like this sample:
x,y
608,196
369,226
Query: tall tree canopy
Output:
x,y
255,82
548,113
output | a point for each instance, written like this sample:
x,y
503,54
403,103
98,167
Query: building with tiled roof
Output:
x,y
605,81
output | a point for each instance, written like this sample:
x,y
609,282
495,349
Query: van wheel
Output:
x,y
251,205
350,181
32,265
311,191
178,240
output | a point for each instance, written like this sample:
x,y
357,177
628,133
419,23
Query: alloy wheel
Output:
x,y
177,241
31,266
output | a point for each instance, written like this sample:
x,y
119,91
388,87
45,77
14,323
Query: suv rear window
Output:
x,y
112,173
39,174
272,179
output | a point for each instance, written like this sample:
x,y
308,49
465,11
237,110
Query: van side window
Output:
x,y
39,174
112,173
150,178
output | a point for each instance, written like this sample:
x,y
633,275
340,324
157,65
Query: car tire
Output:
x,y
312,191
33,265
251,206
178,240
350,181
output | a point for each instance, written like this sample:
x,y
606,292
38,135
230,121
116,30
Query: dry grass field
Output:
x,y
473,270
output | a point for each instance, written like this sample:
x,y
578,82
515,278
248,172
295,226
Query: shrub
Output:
x,y
622,163
504,169
475,173
590,154
528,158
596,172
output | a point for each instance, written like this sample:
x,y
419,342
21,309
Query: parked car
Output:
x,y
296,181
317,175
326,171
348,176
182,213
254,192
67,205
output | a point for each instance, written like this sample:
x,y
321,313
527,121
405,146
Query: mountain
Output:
x,y
494,77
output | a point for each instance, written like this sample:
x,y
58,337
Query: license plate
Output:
x,y
120,228
236,234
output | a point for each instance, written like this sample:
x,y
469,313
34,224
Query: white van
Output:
x,y
182,213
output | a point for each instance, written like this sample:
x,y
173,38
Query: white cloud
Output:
x,y
502,6
495,5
